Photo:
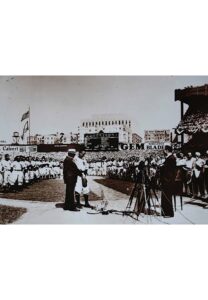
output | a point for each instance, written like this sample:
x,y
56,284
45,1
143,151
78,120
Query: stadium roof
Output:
x,y
191,94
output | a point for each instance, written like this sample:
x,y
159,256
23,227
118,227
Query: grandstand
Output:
x,y
194,123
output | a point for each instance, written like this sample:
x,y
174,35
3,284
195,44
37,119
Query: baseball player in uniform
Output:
x,y
25,164
104,166
37,168
50,168
6,167
16,175
56,169
79,189
120,167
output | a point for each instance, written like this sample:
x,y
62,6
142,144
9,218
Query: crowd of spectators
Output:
x,y
194,120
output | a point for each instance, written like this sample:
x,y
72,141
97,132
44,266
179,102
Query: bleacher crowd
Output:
x,y
194,121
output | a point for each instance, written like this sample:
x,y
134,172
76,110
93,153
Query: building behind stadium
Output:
x,y
157,139
136,139
157,136
54,138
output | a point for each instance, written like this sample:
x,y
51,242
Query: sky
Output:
x,y
59,103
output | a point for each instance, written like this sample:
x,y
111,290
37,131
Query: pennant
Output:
x,y
25,115
25,129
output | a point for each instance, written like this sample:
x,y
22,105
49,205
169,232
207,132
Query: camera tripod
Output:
x,y
145,197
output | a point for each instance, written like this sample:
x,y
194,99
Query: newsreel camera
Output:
x,y
143,196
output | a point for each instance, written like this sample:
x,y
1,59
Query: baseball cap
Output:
x,y
72,151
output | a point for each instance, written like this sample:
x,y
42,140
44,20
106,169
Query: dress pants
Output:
x,y
69,198
166,201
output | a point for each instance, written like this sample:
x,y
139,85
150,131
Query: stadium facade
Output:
x,y
108,124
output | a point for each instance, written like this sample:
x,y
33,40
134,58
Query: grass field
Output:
x,y
51,190
9,214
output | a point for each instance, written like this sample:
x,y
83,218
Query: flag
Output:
x,y
25,115
25,129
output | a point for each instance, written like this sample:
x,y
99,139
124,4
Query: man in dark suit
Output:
x,y
168,174
70,174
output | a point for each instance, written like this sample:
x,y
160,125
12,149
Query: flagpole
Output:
x,y
29,126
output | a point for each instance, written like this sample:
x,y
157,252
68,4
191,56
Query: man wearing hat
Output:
x,y
70,174
6,167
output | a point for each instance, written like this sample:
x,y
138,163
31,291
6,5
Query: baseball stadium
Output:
x,y
120,176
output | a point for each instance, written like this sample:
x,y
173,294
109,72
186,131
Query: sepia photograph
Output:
x,y
104,150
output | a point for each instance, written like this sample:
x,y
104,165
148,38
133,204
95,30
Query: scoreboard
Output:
x,y
101,141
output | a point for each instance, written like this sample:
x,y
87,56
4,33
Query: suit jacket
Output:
x,y
168,171
70,171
